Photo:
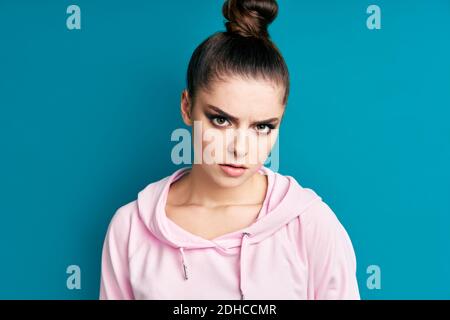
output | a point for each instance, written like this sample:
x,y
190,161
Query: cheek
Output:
x,y
259,148
203,131
213,145
265,143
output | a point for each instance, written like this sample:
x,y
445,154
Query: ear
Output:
x,y
186,108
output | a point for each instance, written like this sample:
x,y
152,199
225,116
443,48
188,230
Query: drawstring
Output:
x,y
244,244
242,260
183,263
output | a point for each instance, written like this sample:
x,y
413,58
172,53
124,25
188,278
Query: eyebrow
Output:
x,y
235,119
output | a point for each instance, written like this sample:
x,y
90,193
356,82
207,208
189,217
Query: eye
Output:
x,y
264,128
219,121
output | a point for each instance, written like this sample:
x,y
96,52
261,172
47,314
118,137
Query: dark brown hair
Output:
x,y
244,49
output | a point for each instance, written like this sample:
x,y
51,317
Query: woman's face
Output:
x,y
235,123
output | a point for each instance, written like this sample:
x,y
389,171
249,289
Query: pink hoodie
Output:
x,y
296,249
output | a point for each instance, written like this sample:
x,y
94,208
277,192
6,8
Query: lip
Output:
x,y
233,170
233,165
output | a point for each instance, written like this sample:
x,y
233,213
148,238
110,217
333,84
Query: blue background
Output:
x,y
86,117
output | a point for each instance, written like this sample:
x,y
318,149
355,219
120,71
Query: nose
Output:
x,y
239,144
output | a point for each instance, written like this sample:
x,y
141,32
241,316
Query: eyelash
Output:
x,y
212,118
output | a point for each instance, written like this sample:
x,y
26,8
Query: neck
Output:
x,y
201,190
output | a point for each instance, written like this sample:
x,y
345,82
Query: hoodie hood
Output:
x,y
277,211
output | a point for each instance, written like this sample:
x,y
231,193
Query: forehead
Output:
x,y
241,97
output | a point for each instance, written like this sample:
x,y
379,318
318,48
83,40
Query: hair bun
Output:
x,y
249,18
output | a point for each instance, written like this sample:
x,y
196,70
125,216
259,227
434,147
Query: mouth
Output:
x,y
233,165
233,170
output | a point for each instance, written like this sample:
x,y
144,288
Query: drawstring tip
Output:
x,y
185,272
184,265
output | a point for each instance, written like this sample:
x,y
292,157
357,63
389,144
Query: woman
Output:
x,y
228,227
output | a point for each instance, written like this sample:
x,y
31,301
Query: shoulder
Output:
x,y
320,215
120,225
320,220
318,224
124,215
324,235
